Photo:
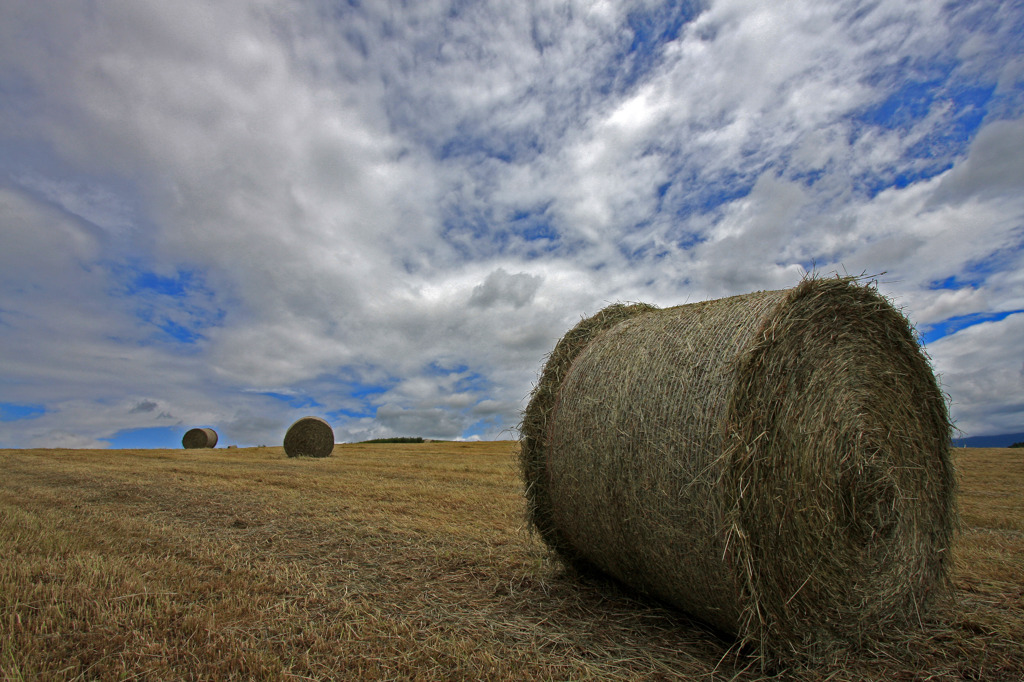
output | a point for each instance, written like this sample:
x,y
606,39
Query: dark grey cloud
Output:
x,y
143,407
502,288
993,169
426,422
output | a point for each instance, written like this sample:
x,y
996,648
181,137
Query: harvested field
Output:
x,y
395,561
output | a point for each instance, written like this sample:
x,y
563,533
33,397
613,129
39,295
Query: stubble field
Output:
x,y
396,561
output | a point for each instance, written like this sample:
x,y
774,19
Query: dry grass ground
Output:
x,y
393,561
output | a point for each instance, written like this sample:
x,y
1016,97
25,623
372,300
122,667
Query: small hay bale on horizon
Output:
x,y
199,438
309,437
775,464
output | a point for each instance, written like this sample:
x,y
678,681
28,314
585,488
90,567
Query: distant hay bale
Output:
x,y
775,464
309,437
199,438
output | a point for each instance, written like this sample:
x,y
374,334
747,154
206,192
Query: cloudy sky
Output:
x,y
236,213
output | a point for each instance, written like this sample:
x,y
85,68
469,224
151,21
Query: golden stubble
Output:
x,y
394,561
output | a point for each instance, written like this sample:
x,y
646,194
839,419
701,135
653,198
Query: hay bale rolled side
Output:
x,y
533,429
309,437
199,438
775,464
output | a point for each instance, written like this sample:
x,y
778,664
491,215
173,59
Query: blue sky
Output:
x,y
234,214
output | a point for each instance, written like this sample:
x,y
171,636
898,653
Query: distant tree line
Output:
x,y
393,440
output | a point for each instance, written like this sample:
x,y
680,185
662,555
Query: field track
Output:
x,y
395,561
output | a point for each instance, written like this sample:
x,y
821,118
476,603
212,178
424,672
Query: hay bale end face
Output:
x,y
199,438
775,464
309,437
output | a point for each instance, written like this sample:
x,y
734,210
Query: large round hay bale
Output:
x,y
309,437
776,464
199,438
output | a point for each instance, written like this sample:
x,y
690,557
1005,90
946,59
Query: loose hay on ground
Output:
x,y
775,464
309,437
199,438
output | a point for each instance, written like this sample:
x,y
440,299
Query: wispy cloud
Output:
x,y
242,212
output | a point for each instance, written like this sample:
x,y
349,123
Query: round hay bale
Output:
x,y
199,438
309,437
776,464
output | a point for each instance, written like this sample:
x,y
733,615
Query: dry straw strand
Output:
x,y
776,464
309,437
199,438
